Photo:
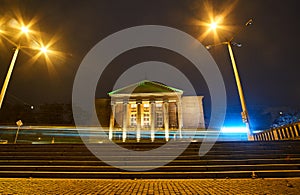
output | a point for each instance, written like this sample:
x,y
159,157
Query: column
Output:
x,y
258,137
166,118
152,120
280,134
292,132
296,131
266,136
125,120
179,110
275,134
270,135
138,121
112,120
287,132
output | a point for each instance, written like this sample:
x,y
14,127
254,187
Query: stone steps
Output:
x,y
236,159
96,162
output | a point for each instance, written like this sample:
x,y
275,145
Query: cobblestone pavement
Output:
x,y
149,186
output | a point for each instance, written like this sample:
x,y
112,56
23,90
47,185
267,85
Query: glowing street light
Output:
x,y
213,25
24,30
44,49
244,113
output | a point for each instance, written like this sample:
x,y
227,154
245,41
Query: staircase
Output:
x,y
231,159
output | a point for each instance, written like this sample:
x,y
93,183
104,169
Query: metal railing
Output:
x,y
291,131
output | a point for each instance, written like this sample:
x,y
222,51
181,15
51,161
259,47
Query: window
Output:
x,y
158,105
146,119
133,120
159,119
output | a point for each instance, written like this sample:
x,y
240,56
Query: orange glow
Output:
x,y
20,32
213,25
14,27
24,29
44,49
214,21
51,56
2,23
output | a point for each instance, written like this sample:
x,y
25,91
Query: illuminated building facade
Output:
x,y
149,107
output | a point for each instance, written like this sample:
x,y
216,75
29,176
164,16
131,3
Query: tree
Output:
x,y
286,119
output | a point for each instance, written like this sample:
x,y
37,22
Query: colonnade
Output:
x,y
152,109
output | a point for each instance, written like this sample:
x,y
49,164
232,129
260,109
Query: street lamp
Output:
x,y
244,113
8,75
24,30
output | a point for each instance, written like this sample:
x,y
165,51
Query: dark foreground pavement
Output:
x,y
149,186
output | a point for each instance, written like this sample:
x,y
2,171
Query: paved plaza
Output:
x,y
149,186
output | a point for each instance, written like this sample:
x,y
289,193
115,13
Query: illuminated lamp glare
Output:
x,y
213,25
24,29
44,49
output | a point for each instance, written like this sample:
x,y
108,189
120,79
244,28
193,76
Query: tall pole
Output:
x,y
10,70
245,116
244,113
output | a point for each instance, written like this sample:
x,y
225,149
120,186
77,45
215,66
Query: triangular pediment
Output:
x,y
146,87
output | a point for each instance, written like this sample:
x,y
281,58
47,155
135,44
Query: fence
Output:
x,y
291,131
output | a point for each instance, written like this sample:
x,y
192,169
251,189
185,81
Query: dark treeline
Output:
x,y
44,114
261,117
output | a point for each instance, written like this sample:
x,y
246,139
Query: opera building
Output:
x,y
148,108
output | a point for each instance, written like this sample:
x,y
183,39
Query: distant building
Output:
x,y
150,106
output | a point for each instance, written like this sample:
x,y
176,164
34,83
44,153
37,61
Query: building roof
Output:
x,y
145,86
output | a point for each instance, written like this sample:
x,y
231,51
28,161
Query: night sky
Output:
x,y
268,60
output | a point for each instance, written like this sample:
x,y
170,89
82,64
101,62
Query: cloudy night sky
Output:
x,y
267,61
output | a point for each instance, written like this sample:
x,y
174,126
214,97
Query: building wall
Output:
x,y
192,112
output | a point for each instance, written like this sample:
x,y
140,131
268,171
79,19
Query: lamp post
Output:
x,y
8,75
24,30
244,113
